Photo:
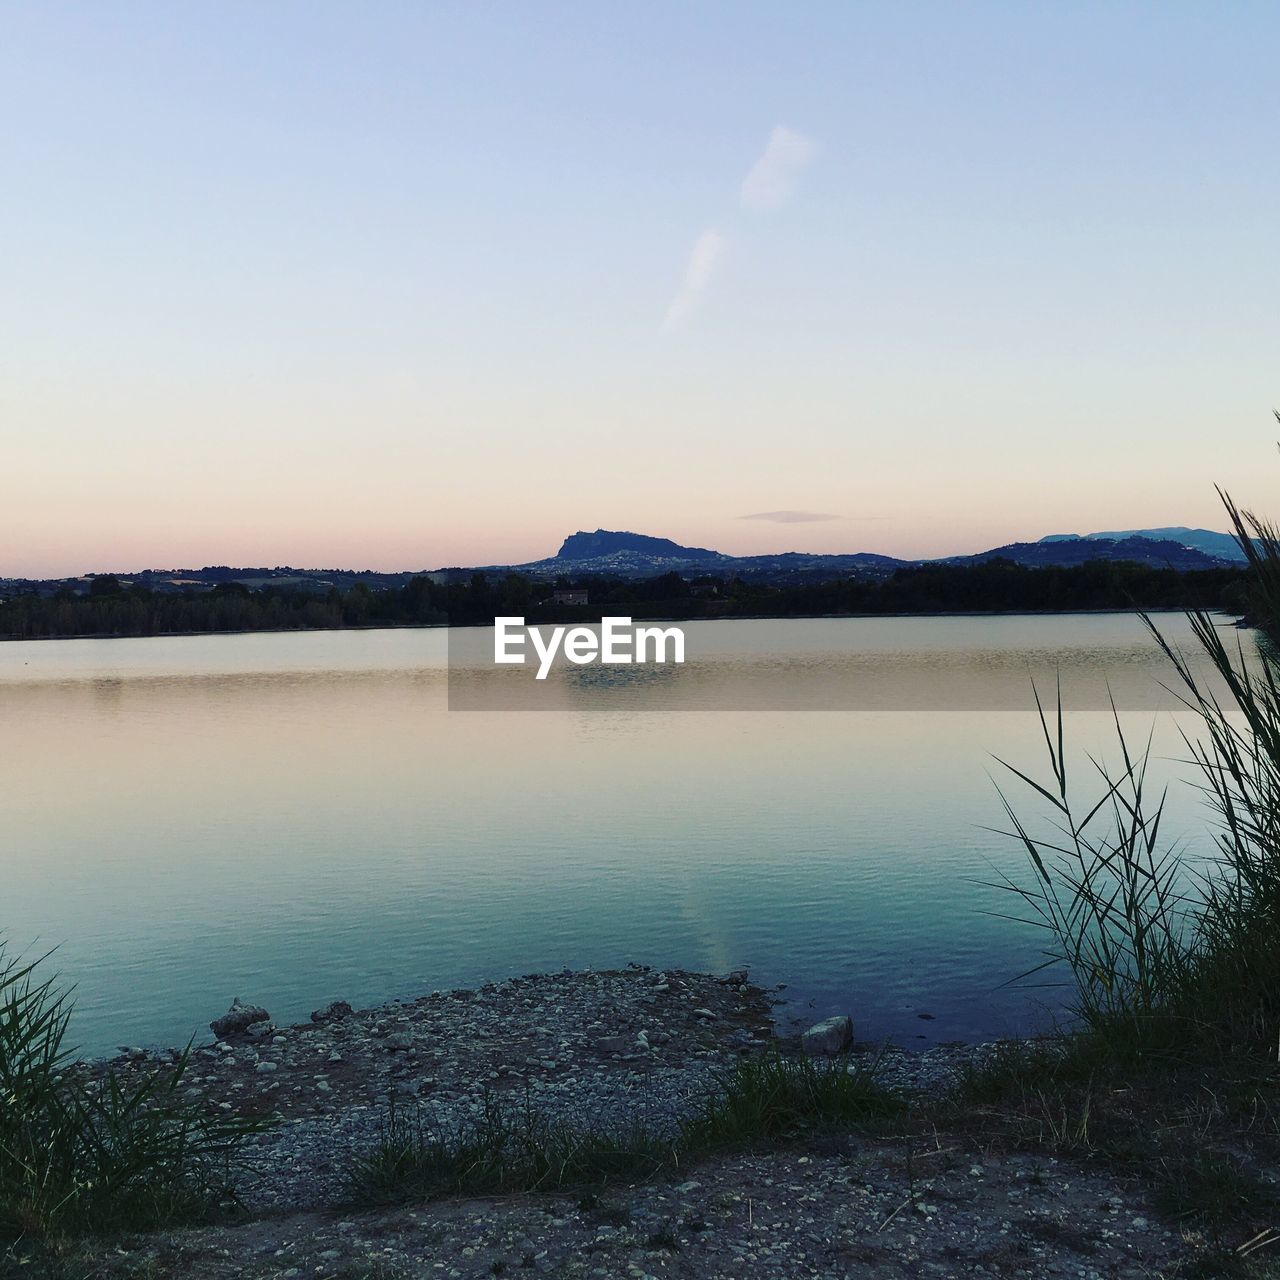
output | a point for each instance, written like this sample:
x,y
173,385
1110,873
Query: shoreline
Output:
x,y
605,1048
738,617
599,1049
598,1045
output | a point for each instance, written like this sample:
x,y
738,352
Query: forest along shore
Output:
x,y
597,1049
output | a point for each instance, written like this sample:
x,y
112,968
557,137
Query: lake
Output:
x,y
296,818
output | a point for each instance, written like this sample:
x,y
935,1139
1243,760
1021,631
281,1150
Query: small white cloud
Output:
x,y
773,177
791,517
697,275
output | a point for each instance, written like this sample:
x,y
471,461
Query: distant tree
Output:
x,y
995,585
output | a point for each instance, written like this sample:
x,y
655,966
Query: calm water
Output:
x,y
299,818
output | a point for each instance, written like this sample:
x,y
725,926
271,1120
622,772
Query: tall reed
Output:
x,y
1167,957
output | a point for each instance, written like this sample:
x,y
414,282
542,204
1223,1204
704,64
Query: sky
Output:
x,y
405,285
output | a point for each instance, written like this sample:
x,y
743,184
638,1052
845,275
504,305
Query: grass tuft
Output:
x,y
1210,1190
772,1097
82,1155
504,1150
499,1151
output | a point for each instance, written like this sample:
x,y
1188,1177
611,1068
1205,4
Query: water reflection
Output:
x,y
295,818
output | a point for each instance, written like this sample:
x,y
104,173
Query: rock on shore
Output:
x,y
240,1017
832,1036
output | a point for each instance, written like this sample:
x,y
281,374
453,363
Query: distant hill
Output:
x,y
607,542
1220,545
178,581
1068,549
620,554
615,553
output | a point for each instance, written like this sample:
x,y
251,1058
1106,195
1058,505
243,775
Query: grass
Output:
x,y
1209,1188
1169,1067
79,1154
1201,1137
506,1150
498,1152
1170,961
772,1098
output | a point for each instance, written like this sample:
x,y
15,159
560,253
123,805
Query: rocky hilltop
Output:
x,y
604,543
622,554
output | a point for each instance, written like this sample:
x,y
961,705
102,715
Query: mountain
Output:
x,y
608,542
1070,549
612,553
1222,546
787,565
620,554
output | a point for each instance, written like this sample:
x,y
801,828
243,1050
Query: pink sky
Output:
x,y
408,287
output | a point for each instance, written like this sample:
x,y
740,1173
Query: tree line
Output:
x,y
110,608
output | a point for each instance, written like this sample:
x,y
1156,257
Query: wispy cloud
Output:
x,y
697,275
773,177
791,517
768,185
803,517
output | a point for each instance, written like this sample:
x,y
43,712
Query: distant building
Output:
x,y
568,597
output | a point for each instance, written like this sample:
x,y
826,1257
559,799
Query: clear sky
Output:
x,y
408,284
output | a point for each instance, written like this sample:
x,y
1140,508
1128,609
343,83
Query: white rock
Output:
x,y
833,1035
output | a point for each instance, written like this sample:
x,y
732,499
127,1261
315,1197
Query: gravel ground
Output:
x,y
597,1047
871,1212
